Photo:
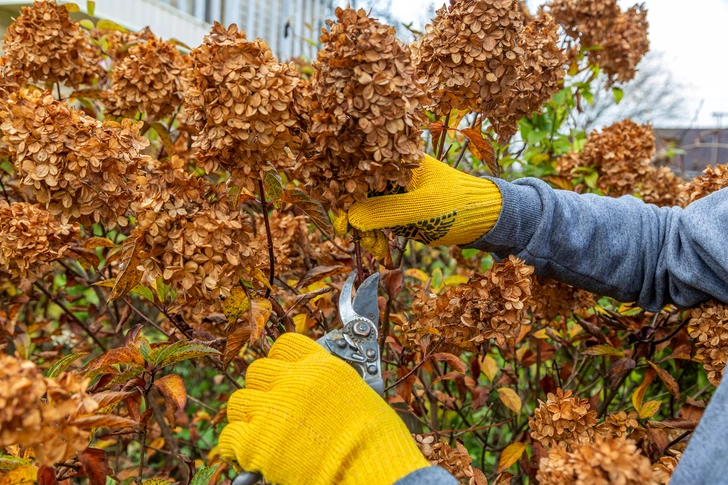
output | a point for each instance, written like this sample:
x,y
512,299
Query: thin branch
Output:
x,y
420,364
144,317
269,235
357,251
72,316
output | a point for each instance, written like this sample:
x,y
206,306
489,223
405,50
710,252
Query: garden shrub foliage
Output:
x,y
165,216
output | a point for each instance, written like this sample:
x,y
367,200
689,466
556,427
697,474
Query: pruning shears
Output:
x,y
357,342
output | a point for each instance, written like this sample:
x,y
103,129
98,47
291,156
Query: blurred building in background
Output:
x,y
291,27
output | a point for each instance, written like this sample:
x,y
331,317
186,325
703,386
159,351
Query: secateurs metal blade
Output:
x,y
356,342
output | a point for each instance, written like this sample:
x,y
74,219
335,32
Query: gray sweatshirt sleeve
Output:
x,y
433,475
618,247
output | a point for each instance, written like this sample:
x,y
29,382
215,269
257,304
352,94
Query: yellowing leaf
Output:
x,y
23,475
234,342
110,25
128,277
173,389
260,313
510,456
258,275
666,378
509,397
110,421
164,136
72,7
649,409
482,149
639,393
455,280
417,274
98,242
541,334
303,323
236,304
319,273
603,349
488,366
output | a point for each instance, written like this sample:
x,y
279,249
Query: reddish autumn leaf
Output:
x,y
667,379
46,475
95,465
454,362
314,275
311,207
173,389
110,421
482,149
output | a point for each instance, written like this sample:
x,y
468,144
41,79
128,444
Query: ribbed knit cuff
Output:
x,y
521,212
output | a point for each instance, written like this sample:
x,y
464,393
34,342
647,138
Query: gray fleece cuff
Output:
x,y
433,475
521,212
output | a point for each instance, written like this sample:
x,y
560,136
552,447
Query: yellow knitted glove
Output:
x,y
307,417
440,206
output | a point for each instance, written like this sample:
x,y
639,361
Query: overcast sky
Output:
x,y
693,35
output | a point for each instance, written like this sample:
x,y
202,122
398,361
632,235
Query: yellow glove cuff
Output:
x,y
441,206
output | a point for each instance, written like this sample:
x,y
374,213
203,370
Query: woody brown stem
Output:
x,y
271,255
443,136
357,252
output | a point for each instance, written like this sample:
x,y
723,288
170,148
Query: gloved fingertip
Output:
x,y
293,347
341,223
243,405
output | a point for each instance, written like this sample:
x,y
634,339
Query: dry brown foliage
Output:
x,y
48,47
479,55
618,424
489,306
709,328
606,461
188,233
563,421
456,460
148,80
30,239
366,111
239,98
712,180
34,410
621,37
79,168
665,467
662,187
551,299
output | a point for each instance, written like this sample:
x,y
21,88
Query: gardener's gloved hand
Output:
x,y
440,206
307,417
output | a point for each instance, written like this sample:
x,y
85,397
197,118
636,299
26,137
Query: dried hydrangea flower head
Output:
x,y
456,460
188,233
239,99
31,238
709,328
606,461
621,36
148,80
481,55
366,111
552,299
34,410
665,467
621,154
489,306
618,424
48,47
662,187
712,180
563,421
79,168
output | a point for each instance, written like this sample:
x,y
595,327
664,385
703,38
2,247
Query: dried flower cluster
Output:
x,y
552,299
33,410
79,168
30,239
48,47
148,80
621,37
187,233
665,467
366,111
662,187
479,55
489,306
712,180
456,460
709,328
606,461
240,98
563,421
618,424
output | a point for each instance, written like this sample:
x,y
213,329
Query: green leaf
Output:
x,y
63,363
90,7
162,289
143,291
591,180
204,474
470,253
7,166
87,24
145,349
8,462
618,94
165,355
273,184
110,25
